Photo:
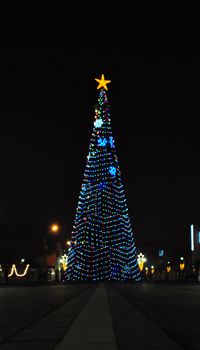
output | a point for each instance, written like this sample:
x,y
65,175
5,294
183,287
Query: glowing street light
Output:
x,y
54,228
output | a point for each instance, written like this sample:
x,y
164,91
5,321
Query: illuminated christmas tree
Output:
x,y
102,242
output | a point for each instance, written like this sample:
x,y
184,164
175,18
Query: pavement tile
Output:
x,y
51,329
30,345
49,324
100,325
94,346
43,334
133,330
146,342
93,327
148,347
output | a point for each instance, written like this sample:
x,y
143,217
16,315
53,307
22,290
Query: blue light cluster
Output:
x,y
103,141
102,242
112,170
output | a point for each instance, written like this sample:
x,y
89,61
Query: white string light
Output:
x,y
14,271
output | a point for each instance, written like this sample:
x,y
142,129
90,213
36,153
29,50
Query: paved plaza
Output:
x,y
107,316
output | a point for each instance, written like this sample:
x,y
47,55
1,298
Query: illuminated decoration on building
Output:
x,y
192,237
182,263
102,242
63,262
141,260
14,271
168,268
161,252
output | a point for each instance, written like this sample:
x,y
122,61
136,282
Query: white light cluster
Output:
x,y
98,123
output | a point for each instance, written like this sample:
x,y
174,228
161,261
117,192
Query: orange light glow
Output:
x,y
54,228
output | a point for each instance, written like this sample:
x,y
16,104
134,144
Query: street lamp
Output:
x,y
50,238
56,231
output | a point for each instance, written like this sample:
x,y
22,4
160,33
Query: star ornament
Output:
x,y
102,82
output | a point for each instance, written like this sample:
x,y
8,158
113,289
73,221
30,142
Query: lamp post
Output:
x,y
51,238
56,231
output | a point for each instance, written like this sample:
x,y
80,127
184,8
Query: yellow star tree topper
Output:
x,y
102,82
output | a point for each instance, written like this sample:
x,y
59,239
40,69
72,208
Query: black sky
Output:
x,y
47,98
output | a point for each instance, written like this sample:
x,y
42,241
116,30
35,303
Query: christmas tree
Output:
x,y
102,242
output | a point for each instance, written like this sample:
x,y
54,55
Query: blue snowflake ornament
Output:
x,y
112,170
102,141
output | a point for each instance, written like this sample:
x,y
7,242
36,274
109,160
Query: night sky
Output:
x,y
48,93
